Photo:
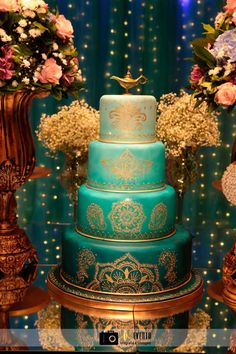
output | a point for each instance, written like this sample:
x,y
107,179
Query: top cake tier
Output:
x,y
127,119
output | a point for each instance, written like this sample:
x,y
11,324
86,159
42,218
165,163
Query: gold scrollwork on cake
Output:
x,y
86,258
127,216
127,166
95,217
168,260
158,217
127,117
127,276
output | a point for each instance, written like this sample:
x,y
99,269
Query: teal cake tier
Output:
x,y
126,267
126,216
126,166
127,118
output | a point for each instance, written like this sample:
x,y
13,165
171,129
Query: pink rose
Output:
x,y
64,27
8,5
50,72
196,74
230,6
226,94
6,67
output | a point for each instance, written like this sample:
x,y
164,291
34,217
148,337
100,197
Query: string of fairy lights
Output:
x,y
152,37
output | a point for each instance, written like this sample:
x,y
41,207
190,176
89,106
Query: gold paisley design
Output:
x,y
127,276
127,118
127,216
95,217
86,258
158,217
168,260
127,167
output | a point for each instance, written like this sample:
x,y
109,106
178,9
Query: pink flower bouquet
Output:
x,y
213,76
37,50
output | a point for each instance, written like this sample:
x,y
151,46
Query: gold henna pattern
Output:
x,y
127,166
95,217
158,217
168,260
86,258
127,118
126,275
127,216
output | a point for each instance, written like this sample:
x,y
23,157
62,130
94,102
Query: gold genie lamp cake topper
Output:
x,y
127,82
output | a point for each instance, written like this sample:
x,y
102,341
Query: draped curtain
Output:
x,y
152,37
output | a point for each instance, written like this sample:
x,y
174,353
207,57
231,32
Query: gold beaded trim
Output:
x,y
121,240
125,191
128,295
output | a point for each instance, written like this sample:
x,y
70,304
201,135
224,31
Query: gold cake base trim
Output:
x,y
125,294
121,240
159,308
127,142
127,191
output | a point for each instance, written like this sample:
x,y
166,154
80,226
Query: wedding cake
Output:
x,y
126,247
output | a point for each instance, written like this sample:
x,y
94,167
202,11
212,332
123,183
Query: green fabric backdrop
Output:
x,y
154,36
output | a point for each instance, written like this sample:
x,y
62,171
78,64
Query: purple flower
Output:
x,y
196,74
233,78
224,46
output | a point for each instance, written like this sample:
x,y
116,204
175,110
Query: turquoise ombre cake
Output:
x,y
125,247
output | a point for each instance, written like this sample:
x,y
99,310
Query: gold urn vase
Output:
x,y
17,161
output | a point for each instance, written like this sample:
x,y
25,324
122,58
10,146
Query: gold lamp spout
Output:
x,y
127,82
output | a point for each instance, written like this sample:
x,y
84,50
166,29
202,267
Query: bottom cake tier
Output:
x,y
126,267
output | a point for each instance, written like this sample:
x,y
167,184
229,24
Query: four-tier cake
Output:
x,y
126,248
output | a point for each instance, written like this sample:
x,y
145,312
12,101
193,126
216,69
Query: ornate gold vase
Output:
x,y
17,161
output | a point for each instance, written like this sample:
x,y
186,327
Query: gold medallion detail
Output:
x,y
127,166
127,216
127,118
95,217
158,217
127,276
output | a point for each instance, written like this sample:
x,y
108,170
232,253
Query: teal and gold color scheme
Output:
x,y
129,119
127,216
125,248
128,167
127,268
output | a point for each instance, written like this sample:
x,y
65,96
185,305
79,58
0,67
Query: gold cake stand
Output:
x,y
177,304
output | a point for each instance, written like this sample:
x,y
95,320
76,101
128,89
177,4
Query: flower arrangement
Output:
x,y
70,131
184,128
37,50
213,76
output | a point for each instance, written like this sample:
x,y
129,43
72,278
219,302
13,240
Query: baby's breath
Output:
x,y
182,125
70,130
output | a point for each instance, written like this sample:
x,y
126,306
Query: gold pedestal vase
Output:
x,y
17,162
